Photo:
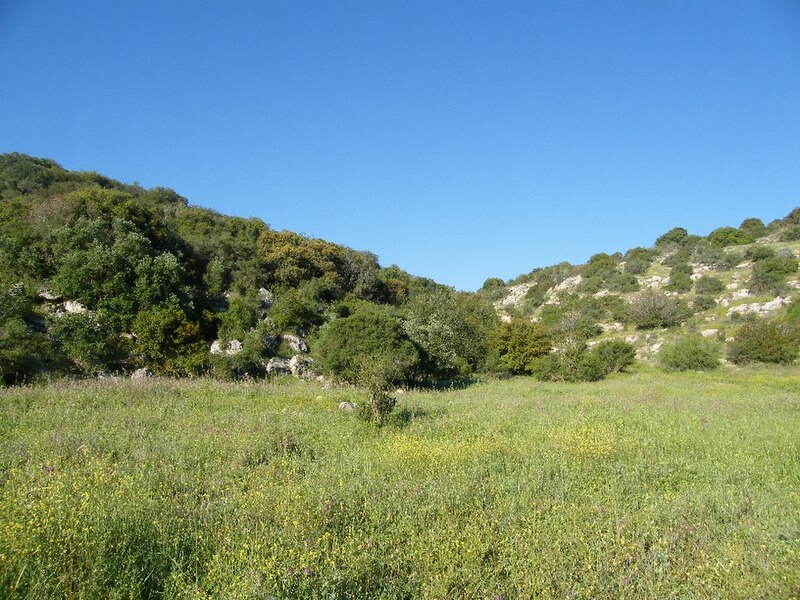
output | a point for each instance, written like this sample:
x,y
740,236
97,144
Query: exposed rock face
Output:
x,y
515,295
347,406
296,343
266,297
74,307
232,348
301,366
709,332
278,366
760,308
143,373
612,326
654,282
569,283
46,294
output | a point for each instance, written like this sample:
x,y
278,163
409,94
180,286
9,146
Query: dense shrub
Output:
x,y
168,342
656,309
753,227
790,234
344,344
517,343
638,260
675,236
703,302
615,355
89,341
690,353
452,330
707,284
729,236
761,340
680,278
758,252
573,363
729,260
769,275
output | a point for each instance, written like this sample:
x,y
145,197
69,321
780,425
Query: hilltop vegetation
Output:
x,y
99,277
733,288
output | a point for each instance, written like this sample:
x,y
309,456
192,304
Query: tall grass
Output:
x,y
648,485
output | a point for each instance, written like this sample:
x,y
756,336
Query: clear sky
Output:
x,y
459,140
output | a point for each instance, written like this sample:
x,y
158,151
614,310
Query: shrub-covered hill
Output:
x,y
98,276
707,286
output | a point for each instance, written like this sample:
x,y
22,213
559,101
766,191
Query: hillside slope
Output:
x,y
720,279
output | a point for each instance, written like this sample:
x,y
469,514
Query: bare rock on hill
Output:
x,y
301,366
278,366
296,343
74,307
760,309
142,374
232,348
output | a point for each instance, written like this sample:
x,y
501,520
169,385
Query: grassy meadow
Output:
x,y
648,485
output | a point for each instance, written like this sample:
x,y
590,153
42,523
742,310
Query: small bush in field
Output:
x,y
690,353
615,355
729,236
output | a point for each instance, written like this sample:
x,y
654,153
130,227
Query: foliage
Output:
x,y
452,330
675,236
764,340
680,278
703,302
517,343
754,228
168,342
790,233
343,344
655,309
729,236
376,374
708,284
758,252
691,352
615,355
769,275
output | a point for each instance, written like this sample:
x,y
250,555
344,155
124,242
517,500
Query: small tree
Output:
x,y
690,353
761,340
655,309
517,343
376,374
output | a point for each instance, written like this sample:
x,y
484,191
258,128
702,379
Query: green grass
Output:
x,y
646,485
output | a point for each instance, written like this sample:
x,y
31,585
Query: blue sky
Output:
x,y
459,140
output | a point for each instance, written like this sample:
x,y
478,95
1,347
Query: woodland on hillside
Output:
x,y
99,277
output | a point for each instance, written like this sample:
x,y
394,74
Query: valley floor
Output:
x,y
647,485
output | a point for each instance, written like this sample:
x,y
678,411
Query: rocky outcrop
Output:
x,y
232,348
278,366
295,342
301,366
74,307
142,374
760,309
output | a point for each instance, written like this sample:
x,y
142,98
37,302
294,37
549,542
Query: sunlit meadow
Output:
x,y
645,485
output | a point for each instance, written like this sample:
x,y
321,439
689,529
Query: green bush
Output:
x,y
790,234
729,236
703,302
757,252
753,227
343,344
572,365
769,275
728,261
675,236
707,284
690,353
761,340
452,330
169,343
518,343
679,280
615,355
655,309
